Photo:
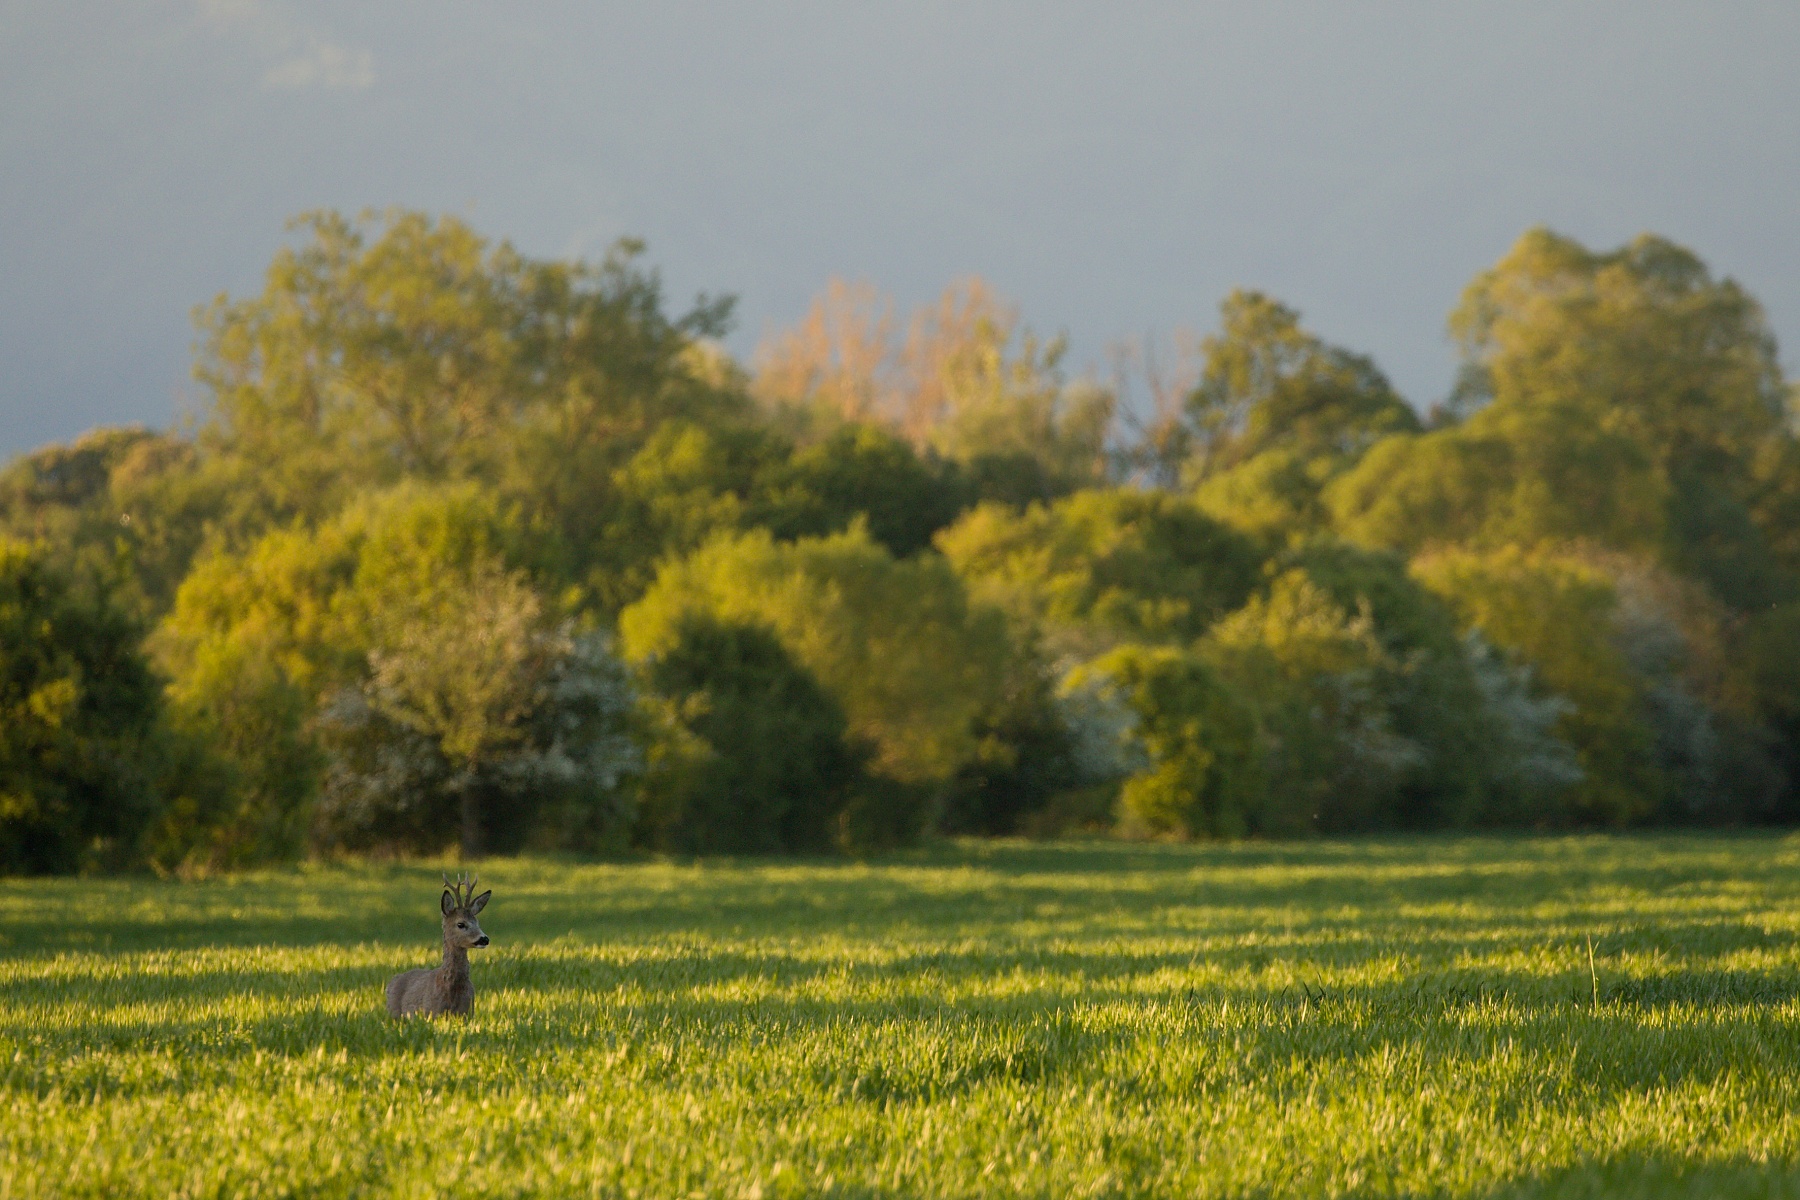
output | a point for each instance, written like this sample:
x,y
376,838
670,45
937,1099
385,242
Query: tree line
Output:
x,y
472,549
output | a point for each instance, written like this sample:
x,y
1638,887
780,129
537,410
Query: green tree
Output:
x,y
863,470
466,675
750,755
1203,771
1025,759
1436,687
485,723
1661,702
123,511
1320,682
1643,341
896,643
82,749
249,646
1625,397
258,640
1555,612
1768,646
1509,477
688,482
407,348
691,480
1276,414
1103,566
1267,384
250,716
314,600
1275,496
1708,736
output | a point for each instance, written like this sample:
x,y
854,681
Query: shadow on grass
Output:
x,y
1493,890
1641,1177
1704,987
907,1045
1312,952
632,949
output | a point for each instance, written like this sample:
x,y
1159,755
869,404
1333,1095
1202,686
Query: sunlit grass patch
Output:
x,y
1405,1017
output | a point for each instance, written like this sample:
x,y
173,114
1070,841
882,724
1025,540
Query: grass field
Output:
x,y
1408,1017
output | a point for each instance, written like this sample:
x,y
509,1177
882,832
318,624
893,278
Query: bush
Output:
x,y
82,746
1320,683
895,643
1556,613
1201,774
552,771
1024,759
749,755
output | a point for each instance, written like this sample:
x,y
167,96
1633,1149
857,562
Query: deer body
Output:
x,y
447,989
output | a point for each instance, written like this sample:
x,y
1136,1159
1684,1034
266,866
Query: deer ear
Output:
x,y
479,902
445,902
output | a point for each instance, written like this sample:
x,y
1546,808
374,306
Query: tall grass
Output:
x,y
1406,1017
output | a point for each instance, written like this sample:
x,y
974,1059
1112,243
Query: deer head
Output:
x,y
461,905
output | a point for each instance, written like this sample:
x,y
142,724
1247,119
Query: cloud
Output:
x,y
324,65
231,12
303,57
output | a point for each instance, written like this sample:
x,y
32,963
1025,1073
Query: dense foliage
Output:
x,y
482,550
81,747
753,757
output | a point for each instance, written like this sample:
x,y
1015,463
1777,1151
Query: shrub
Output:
x,y
1555,612
81,741
1320,682
895,643
536,749
749,754
1201,774
1024,758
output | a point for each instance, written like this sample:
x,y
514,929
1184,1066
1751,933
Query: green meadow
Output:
x,y
1408,1017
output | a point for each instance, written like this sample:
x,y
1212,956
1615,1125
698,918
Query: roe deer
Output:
x,y
445,989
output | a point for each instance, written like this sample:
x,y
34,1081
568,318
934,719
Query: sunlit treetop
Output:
x,y
400,345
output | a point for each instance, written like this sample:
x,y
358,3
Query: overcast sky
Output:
x,y
1113,168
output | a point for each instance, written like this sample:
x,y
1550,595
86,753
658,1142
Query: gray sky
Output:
x,y
1112,168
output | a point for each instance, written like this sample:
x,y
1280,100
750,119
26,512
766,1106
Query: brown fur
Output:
x,y
448,989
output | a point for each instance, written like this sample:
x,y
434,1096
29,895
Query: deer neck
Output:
x,y
456,961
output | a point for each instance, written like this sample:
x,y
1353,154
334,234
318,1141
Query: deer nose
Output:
x,y
482,940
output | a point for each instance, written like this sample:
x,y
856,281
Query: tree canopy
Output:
x,y
470,549
1627,397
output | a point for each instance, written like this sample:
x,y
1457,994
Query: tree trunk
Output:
x,y
471,823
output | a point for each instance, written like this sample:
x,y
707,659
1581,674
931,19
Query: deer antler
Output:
x,y
462,892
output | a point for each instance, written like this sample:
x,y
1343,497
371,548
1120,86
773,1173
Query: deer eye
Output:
x,y
462,925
